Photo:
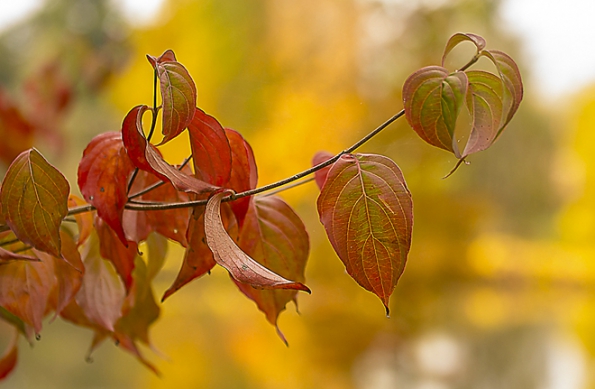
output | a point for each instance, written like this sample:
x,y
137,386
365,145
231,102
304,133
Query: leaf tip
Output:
x,y
280,334
454,169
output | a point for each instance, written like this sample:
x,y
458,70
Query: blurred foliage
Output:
x,y
498,289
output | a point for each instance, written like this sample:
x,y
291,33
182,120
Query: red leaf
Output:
x,y
146,157
35,197
198,259
102,292
178,94
113,250
6,255
25,288
103,178
320,175
367,212
227,254
244,175
8,360
274,236
211,152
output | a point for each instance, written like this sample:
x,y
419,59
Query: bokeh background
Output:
x,y
499,290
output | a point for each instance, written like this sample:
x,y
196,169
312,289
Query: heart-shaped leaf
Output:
x,y
432,100
367,212
178,94
103,178
146,157
34,195
240,266
274,236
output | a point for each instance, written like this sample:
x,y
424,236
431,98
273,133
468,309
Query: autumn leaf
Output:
x,y
6,255
103,178
146,157
34,195
25,288
211,152
102,293
16,131
432,101
457,38
320,175
198,258
274,236
178,94
110,248
240,266
244,175
367,212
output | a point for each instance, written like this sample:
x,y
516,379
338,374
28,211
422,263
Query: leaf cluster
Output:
x,y
95,276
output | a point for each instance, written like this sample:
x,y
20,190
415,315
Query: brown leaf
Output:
x,y
34,195
274,236
103,178
367,212
227,254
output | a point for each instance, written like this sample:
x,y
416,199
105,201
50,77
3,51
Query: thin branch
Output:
x,y
290,186
157,184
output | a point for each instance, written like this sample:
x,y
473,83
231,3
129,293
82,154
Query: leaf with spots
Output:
x,y
367,212
34,195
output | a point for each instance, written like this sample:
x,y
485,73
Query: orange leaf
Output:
x,y
34,195
367,212
226,253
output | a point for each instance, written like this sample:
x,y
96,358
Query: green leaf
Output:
x,y
367,212
34,195
432,101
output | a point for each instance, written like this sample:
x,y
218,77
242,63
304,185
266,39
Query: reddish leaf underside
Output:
x,y
34,195
101,296
110,248
367,212
211,152
274,236
178,94
226,253
146,157
103,178
320,175
244,175
25,288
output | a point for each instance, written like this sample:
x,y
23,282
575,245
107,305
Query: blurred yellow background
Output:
x,y
499,288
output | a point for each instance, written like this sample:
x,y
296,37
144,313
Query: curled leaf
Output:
x,y
146,157
457,38
367,212
227,254
178,94
34,195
